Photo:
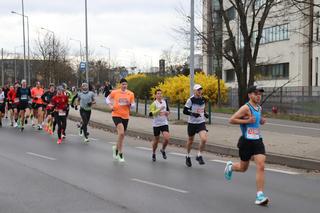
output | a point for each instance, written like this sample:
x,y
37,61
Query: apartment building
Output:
x,y
285,51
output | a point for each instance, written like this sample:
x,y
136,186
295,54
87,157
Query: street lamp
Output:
x,y
53,56
29,69
86,29
192,48
109,50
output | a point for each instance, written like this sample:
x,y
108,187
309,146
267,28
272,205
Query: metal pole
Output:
x,y
2,68
86,26
192,48
29,69
24,44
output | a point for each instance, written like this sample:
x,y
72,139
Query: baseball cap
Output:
x,y
255,88
197,86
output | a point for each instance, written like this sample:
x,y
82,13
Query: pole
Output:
x,y
29,69
192,48
86,26
24,44
2,68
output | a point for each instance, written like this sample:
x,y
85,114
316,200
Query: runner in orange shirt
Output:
x,y
120,101
37,103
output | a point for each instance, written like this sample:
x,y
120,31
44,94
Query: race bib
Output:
x,y
24,97
253,133
16,100
38,96
123,102
62,113
1,101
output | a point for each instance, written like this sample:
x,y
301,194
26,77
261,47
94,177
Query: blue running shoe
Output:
x,y
261,199
228,171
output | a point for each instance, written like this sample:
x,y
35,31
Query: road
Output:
x,y
273,125
37,176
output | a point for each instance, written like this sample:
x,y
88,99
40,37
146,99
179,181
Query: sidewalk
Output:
x,y
292,150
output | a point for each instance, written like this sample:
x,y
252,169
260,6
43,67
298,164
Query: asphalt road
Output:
x,y
273,125
38,176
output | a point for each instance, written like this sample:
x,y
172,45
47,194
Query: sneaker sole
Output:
x,y
263,203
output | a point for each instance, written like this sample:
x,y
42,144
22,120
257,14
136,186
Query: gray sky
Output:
x,y
135,30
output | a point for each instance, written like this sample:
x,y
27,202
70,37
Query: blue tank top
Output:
x,y
24,94
252,131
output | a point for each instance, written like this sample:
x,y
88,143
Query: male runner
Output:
x,y
159,109
24,95
13,102
46,98
85,99
120,101
37,104
195,108
250,144
2,105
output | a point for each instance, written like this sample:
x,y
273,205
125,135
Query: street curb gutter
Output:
x,y
291,161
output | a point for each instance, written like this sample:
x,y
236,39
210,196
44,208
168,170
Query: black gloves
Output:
x,y
206,115
150,114
76,107
89,104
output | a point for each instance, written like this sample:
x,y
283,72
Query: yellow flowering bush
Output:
x,y
177,88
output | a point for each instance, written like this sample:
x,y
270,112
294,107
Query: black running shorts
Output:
x,y
249,148
118,120
196,128
157,130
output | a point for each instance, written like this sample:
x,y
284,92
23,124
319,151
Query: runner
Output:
x,y
2,105
85,99
159,109
195,108
24,95
37,104
60,103
46,98
120,101
70,96
250,144
13,102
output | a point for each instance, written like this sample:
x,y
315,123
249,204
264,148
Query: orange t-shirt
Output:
x,y
121,103
37,93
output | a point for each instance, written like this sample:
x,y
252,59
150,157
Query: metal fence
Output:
x,y
291,100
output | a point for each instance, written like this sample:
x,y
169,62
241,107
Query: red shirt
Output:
x,y
60,102
12,96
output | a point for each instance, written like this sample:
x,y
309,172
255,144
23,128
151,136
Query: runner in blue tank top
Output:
x,y
250,143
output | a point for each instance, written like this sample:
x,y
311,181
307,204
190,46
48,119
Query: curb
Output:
x,y
287,160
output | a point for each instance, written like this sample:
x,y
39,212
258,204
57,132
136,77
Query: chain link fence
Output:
x,y
290,100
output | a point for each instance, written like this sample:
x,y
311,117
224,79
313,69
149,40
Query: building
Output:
x,y
198,61
285,51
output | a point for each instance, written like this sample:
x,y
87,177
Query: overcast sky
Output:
x,y
135,30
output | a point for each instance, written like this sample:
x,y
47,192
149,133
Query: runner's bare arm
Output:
x,y
242,116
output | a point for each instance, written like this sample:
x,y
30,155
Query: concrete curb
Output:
x,y
291,161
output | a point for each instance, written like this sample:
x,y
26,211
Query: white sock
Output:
x,y
259,193
199,154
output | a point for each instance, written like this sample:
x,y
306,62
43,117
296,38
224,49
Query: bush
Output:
x,y
141,84
177,88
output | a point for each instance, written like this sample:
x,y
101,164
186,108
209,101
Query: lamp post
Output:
x,y
86,29
109,54
53,55
29,68
192,48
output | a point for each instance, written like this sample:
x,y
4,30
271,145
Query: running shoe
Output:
x,y
200,160
188,161
86,140
154,157
163,152
228,171
261,199
59,141
39,127
22,128
121,159
15,125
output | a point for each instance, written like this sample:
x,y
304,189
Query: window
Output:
x,y
230,75
273,34
231,13
272,71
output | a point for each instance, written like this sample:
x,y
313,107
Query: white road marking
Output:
x,y
143,148
282,171
178,154
112,143
219,161
267,169
41,156
159,186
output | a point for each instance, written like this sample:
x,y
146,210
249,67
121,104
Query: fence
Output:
x,y
291,100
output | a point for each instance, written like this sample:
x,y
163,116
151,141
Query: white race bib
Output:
x,y
24,97
253,133
62,113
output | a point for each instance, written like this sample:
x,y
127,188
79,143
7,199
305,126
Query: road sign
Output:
x,y
82,66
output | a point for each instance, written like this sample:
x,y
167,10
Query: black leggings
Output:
x,y
61,121
85,116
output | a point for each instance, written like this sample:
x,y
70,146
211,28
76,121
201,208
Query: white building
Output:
x,y
284,51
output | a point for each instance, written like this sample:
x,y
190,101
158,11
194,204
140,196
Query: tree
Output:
x,y
55,66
